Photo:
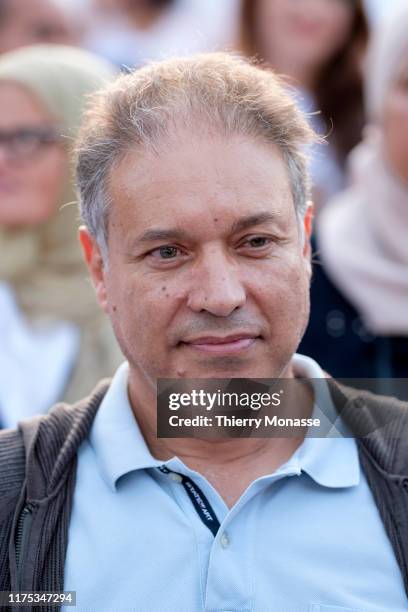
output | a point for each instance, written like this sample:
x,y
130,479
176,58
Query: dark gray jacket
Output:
x,y
38,468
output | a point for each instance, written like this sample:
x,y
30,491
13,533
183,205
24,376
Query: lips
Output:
x,y
227,344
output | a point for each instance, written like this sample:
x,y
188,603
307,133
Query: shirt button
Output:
x,y
175,477
224,540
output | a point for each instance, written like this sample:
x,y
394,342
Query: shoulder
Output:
x,y
379,422
46,444
12,462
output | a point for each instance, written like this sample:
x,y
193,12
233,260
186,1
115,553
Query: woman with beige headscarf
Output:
x,y
55,342
359,320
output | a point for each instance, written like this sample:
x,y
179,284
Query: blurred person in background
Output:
x,y
320,45
29,22
131,32
359,294
378,9
54,341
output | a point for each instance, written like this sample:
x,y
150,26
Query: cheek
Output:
x,y
396,133
54,174
272,20
284,302
339,21
297,289
44,186
36,191
273,15
283,291
331,39
140,306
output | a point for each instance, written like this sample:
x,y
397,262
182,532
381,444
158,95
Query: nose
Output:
x,y
216,287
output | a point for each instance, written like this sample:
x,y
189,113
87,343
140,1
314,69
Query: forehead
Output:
x,y
19,106
194,178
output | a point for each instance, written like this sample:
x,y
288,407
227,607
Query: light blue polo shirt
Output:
x,y
306,538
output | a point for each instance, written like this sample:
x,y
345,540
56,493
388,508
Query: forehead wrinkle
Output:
x,y
247,221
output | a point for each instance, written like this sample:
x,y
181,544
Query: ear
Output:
x,y
307,234
95,263
307,230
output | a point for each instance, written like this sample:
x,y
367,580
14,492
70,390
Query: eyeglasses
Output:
x,y
24,143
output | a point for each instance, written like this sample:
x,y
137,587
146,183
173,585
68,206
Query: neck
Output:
x,y
199,453
230,465
254,457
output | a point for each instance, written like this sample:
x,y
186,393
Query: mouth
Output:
x,y
222,346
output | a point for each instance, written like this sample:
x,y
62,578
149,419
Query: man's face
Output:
x,y
207,274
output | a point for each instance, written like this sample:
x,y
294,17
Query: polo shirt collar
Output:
x,y
120,447
332,461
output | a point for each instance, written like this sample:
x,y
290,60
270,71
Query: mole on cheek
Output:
x,y
215,219
164,288
114,309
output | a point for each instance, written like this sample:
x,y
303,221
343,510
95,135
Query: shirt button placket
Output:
x,y
224,540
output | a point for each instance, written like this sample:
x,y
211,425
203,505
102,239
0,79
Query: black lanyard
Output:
x,y
200,502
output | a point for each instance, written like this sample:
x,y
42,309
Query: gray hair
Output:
x,y
219,91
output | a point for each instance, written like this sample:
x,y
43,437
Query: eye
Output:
x,y
165,252
256,242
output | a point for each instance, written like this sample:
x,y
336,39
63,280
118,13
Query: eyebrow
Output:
x,y
153,235
161,234
251,220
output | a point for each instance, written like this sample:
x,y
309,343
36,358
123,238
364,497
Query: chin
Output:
x,y
227,367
